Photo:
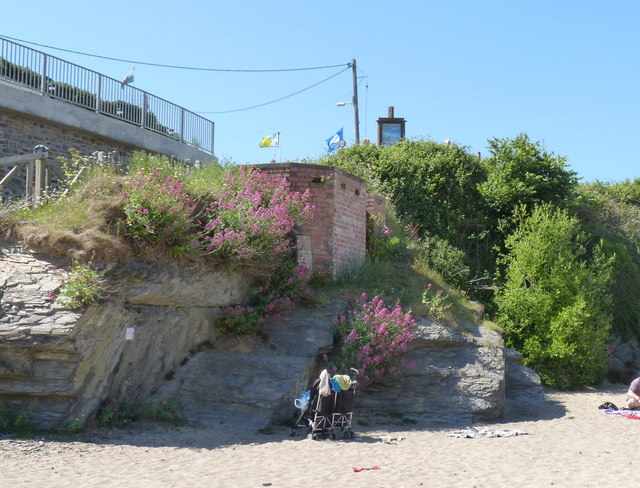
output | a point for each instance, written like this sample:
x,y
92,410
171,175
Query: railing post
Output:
x,y
182,124
98,91
213,131
39,181
28,192
144,110
43,75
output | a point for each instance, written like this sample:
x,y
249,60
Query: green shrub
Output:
x,y
443,258
120,411
126,409
555,307
437,304
84,285
15,424
158,210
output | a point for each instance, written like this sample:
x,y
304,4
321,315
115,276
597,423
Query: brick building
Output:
x,y
334,241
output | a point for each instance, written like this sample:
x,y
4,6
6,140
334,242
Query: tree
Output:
x,y
554,306
358,160
434,187
521,172
611,213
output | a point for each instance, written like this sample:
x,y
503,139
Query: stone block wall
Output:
x,y
336,234
19,134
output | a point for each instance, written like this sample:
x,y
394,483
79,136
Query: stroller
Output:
x,y
328,407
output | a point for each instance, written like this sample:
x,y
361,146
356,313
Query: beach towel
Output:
x,y
629,414
471,433
343,380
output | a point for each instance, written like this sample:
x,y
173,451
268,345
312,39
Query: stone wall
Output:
x,y
19,134
28,119
459,374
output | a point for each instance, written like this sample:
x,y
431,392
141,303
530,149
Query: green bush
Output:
x,y
443,258
84,285
521,172
126,409
158,210
433,187
611,213
15,424
554,306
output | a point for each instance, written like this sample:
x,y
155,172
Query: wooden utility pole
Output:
x,y
355,100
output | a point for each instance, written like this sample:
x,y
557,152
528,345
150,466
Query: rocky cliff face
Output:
x,y
61,365
459,374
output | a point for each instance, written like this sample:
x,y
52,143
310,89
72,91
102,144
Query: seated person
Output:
x,y
633,395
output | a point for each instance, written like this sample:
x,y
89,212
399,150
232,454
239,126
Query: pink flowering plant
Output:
x,y
372,338
288,284
158,209
251,217
248,221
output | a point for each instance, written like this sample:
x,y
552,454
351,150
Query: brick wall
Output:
x,y
337,232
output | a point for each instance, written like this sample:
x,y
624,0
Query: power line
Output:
x,y
278,99
171,66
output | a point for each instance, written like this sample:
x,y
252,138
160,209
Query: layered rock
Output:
x,y
61,365
459,375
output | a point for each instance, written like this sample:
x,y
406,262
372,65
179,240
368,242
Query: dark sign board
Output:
x,y
390,129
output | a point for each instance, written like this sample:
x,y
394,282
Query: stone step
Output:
x,y
242,390
253,384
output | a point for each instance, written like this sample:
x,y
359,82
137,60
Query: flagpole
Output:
x,y
279,144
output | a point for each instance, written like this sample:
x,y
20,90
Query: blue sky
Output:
x,y
567,72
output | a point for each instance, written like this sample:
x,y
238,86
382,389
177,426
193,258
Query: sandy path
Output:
x,y
569,443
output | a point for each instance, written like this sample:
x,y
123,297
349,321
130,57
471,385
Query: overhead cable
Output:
x,y
277,99
171,66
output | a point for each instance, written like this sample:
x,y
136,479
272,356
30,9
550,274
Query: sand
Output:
x,y
567,442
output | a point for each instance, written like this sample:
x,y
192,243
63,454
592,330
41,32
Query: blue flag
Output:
x,y
336,141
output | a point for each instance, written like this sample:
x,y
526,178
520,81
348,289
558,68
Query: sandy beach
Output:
x,y
567,442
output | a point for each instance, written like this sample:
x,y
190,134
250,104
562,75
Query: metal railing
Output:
x,y
60,79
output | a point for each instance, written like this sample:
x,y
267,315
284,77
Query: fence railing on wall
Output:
x,y
57,78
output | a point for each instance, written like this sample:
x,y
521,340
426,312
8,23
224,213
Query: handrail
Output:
x,y
60,79
39,166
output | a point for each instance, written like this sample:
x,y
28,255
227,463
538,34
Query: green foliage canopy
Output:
x,y
521,172
554,307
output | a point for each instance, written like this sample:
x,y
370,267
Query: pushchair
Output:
x,y
327,409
